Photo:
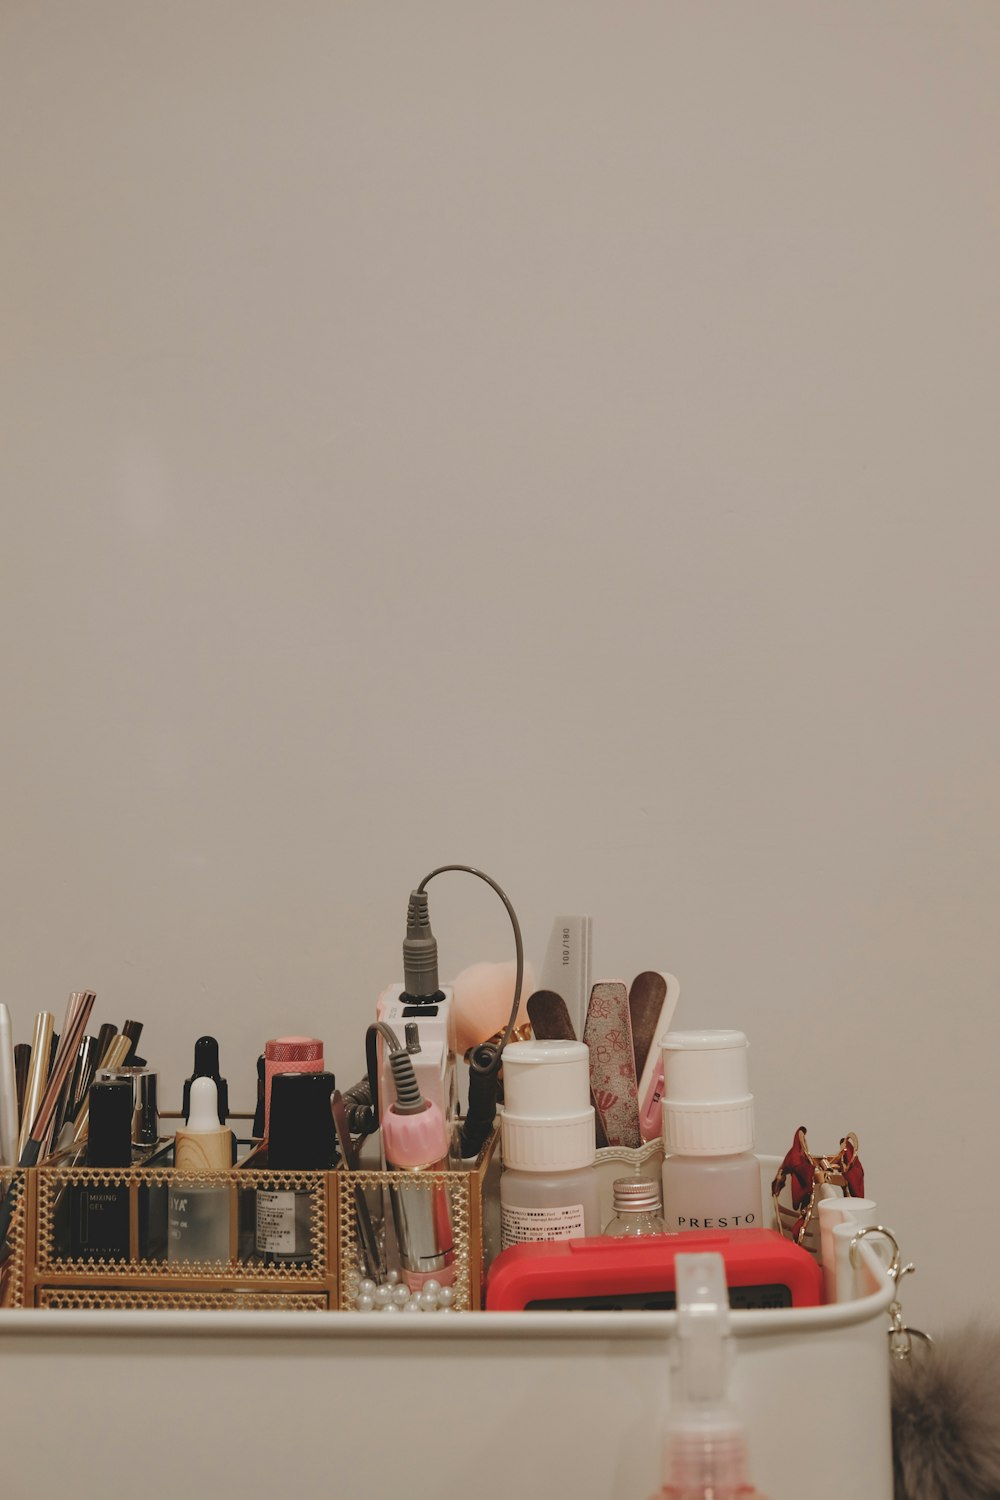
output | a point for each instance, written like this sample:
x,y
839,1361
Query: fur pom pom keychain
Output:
x,y
946,1418
945,1403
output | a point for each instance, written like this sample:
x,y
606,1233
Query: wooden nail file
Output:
x,y
608,1034
550,1018
551,1022
645,1001
652,1001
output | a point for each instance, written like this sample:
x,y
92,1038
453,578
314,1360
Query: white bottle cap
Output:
x,y
546,1080
707,1104
547,1124
548,1145
204,1112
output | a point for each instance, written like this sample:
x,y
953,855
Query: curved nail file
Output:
x,y
608,1034
652,1001
645,1001
550,1018
551,1022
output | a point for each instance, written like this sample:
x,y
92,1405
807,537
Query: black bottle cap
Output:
x,y
206,1057
301,1135
206,1065
109,1134
258,1118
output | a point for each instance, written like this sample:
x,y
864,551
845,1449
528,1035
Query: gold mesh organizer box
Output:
x,y
48,1269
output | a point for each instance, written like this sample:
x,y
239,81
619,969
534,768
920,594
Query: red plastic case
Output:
x,y
762,1270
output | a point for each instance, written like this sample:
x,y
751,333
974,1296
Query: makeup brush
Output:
x,y
81,1003
83,1077
133,1030
105,1037
64,1108
77,1015
41,1043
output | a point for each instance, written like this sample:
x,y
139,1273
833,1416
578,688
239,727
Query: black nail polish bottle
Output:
x,y
301,1139
99,1227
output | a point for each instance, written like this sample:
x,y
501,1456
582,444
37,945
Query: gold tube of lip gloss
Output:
x,y
41,1047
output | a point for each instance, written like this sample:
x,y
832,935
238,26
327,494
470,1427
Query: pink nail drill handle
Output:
x,y
418,1140
419,1143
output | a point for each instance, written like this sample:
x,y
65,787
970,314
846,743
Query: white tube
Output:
x,y
9,1125
840,1210
848,1270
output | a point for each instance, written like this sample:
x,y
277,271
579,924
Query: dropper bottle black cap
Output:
x,y
206,1065
260,1111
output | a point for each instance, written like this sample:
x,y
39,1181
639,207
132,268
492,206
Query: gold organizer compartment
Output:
x,y
466,1192
54,1277
12,1271
43,1274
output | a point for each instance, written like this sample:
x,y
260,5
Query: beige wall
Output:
x,y
557,436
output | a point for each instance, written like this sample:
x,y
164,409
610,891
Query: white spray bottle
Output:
x,y
705,1453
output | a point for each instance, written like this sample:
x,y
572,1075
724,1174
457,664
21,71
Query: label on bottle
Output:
x,y
275,1223
746,1220
521,1226
100,1228
197,1223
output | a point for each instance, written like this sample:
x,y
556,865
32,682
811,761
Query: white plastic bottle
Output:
x,y
711,1179
548,1190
